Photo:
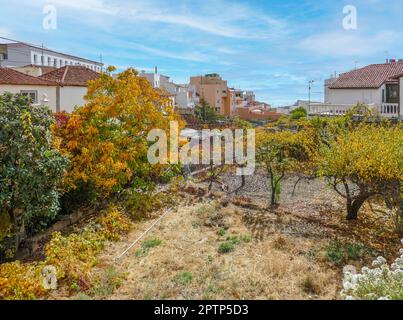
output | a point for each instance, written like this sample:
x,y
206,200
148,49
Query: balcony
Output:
x,y
390,110
329,109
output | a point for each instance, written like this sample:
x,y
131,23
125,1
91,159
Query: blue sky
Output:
x,y
271,47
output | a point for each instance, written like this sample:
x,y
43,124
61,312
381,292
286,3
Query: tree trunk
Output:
x,y
354,206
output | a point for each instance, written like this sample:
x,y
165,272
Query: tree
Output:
x,y
363,163
281,152
31,168
106,139
299,113
205,112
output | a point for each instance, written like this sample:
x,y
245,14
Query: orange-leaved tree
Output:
x,y
106,139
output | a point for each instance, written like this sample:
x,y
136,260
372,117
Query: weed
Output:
x,y
335,253
246,238
309,285
107,283
221,232
184,278
147,246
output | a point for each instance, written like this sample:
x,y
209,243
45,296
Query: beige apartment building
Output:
x,y
213,89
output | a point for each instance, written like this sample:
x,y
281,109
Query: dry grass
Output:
x,y
188,264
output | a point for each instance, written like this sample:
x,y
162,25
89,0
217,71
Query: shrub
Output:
x,y
31,168
20,281
113,224
73,256
382,282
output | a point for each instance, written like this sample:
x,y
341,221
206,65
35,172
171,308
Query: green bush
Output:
x,y
31,168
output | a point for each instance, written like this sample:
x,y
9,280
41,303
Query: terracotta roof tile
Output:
x,y
13,77
372,76
71,76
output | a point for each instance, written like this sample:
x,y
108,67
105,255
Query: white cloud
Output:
x,y
193,56
4,32
349,43
216,17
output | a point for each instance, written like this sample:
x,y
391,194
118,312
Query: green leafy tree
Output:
x,y
31,168
299,113
204,112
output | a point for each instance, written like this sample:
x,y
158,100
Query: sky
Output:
x,y
273,47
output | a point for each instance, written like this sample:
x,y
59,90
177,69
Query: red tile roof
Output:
x,y
372,76
13,77
71,76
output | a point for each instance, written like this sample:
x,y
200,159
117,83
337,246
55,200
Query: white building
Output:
x,y
377,86
183,95
18,54
61,90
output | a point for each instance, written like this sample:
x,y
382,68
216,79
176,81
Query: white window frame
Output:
x,y
28,93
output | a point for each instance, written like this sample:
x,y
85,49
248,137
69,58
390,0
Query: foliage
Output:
x,y
73,256
366,161
338,253
20,281
299,113
382,282
147,246
204,112
229,245
184,278
138,203
113,224
106,140
31,168
281,152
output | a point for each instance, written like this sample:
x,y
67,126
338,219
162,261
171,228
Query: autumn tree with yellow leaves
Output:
x,y
283,152
106,139
363,163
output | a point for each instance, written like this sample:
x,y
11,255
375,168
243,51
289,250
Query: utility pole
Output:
x,y
311,82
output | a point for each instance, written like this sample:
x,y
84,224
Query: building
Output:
x,y
257,114
214,90
376,85
71,85
41,91
61,90
183,96
18,54
33,70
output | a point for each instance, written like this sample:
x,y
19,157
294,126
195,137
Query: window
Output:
x,y
60,63
392,93
49,61
32,94
55,63
42,60
35,59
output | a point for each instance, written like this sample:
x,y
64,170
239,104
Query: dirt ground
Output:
x,y
235,247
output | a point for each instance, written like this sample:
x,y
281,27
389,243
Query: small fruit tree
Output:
x,y
31,168
282,152
363,163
